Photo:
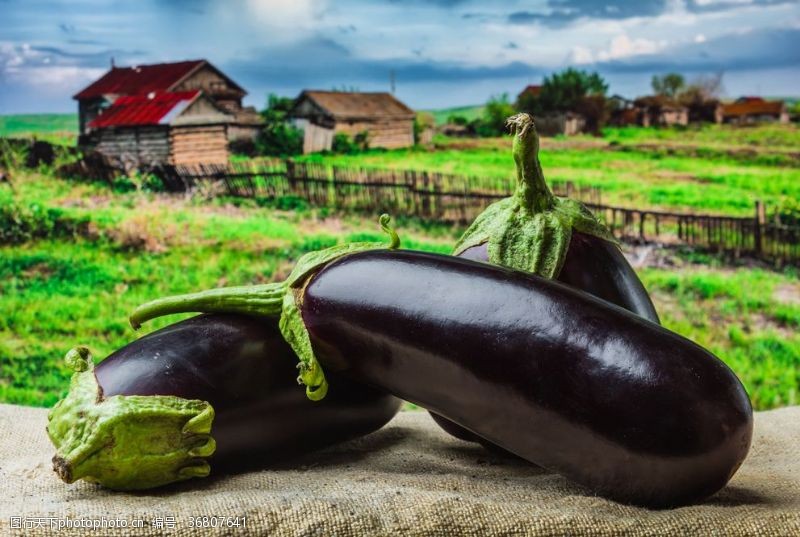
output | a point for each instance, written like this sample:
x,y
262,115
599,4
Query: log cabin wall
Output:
x,y
387,133
216,86
134,146
198,144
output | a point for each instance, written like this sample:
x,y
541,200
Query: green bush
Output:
x,y
345,145
21,223
279,137
493,121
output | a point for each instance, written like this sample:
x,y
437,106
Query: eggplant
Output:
x,y
235,370
610,400
553,237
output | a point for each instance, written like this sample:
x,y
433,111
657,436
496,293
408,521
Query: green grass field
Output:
x,y
59,293
712,181
57,128
441,115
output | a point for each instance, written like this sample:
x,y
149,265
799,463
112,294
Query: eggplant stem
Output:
x,y
532,191
274,300
259,300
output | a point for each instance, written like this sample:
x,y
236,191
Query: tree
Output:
x,y
564,91
493,121
279,137
667,85
702,89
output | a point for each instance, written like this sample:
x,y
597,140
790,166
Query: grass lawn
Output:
x,y
468,112
59,293
723,184
57,128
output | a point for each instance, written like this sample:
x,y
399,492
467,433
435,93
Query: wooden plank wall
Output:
x,y
388,133
315,137
135,146
198,144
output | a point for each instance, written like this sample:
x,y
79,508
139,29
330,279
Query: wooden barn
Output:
x,y
748,110
143,80
183,127
660,111
321,114
560,123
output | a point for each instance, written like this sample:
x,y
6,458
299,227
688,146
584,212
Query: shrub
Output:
x,y
344,144
143,233
424,124
495,114
21,223
279,137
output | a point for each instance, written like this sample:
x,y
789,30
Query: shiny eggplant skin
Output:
x,y
593,265
599,268
567,381
245,369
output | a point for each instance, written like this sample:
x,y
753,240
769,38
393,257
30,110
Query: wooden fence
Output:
x,y
431,195
758,236
455,198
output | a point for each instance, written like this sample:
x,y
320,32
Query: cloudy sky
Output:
x,y
443,52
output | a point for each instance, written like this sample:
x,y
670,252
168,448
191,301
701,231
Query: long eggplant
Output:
x,y
610,400
217,391
553,237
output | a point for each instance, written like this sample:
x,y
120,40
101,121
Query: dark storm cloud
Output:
x,y
98,58
326,64
696,7
437,3
561,12
765,49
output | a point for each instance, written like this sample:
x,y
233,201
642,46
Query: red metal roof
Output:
x,y
753,107
150,109
139,80
531,89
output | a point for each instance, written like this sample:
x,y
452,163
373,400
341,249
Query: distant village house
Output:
x,y
320,114
178,113
755,110
660,111
530,91
560,123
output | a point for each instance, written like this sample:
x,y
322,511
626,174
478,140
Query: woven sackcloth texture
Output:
x,y
407,479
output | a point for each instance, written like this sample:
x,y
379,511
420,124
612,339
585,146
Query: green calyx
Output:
x,y
127,442
530,230
271,300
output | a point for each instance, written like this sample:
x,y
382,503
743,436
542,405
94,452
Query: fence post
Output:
x,y
758,223
642,217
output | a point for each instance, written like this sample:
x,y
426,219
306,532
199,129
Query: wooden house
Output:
x,y
708,111
143,80
748,110
560,123
320,114
530,91
661,111
183,127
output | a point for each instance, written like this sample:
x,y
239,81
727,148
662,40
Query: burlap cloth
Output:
x,y
408,478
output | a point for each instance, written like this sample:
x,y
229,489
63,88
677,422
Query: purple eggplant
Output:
x,y
553,237
231,378
567,381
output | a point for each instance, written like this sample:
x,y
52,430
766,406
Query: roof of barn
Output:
x,y
355,105
144,79
152,109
